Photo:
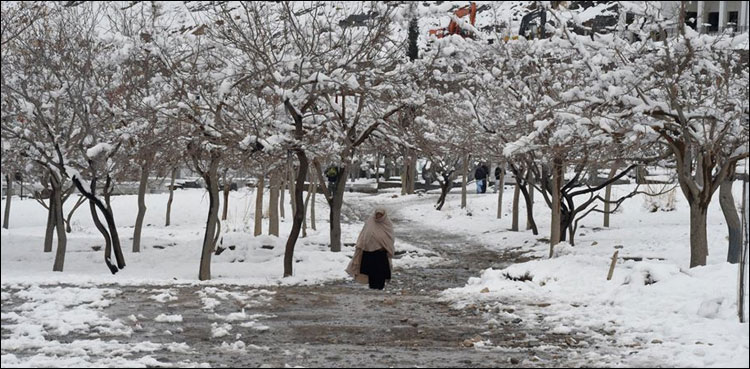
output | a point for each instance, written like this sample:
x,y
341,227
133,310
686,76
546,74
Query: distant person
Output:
x,y
480,175
371,262
498,171
332,173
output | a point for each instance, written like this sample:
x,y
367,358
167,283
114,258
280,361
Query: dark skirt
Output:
x,y
377,268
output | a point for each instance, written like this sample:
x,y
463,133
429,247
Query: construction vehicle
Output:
x,y
530,29
453,27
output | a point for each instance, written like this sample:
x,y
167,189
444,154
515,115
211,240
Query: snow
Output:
x,y
220,330
168,318
97,149
674,314
171,255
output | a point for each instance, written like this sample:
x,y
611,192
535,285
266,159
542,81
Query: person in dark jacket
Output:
x,y
480,175
332,173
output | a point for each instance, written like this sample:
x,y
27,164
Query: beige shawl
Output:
x,y
377,234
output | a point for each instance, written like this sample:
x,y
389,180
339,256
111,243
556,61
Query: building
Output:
x,y
712,16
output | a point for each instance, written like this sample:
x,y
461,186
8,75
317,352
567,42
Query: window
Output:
x,y
713,18
733,19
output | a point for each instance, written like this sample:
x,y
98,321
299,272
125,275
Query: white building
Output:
x,y
713,16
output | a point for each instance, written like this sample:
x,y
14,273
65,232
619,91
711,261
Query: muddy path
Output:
x,y
337,324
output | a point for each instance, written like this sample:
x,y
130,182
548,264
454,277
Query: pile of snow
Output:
x,y
657,307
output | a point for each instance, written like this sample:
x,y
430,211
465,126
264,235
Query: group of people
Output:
x,y
481,174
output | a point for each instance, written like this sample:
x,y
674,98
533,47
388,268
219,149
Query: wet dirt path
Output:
x,y
337,324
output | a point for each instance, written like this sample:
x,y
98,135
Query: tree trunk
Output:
x,y
571,234
212,181
292,186
50,232
445,187
335,213
500,188
555,232
464,180
377,171
108,216
99,226
8,196
312,206
226,197
745,245
273,205
412,172
408,177
608,193
529,201
105,235
171,195
142,186
698,239
281,195
530,224
726,200
699,170
259,206
307,203
299,212
404,170
78,203
61,236
514,216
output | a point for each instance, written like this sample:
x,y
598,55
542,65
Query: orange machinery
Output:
x,y
453,27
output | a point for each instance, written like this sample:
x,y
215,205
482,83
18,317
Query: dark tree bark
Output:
x,y
299,212
51,221
226,197
79,202
514,215
8,197
110,237
726,200
99,226
171,196
335,205
528,196
212,182
56,198
142,186
273,205
445,187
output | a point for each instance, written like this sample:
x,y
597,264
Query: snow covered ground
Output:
x,y
172,254
39,304
659,308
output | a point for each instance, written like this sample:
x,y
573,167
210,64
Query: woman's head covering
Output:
x,y
377,233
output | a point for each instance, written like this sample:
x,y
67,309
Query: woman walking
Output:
x,y
371,262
